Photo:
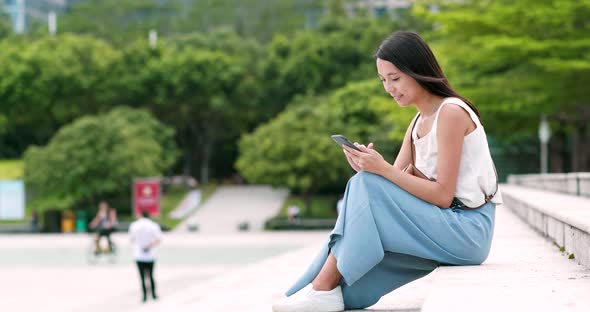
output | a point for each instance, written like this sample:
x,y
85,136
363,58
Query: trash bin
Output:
x,y
81,225
52,221
67,221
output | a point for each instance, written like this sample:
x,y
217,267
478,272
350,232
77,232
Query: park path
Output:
x,y
524,272
231,205
226,270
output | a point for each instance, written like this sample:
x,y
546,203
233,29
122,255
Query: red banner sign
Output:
x,y
146,196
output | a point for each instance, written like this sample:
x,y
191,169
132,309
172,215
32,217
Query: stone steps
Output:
x,y
563,219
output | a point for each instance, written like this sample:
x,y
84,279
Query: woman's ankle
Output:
x,y
323,286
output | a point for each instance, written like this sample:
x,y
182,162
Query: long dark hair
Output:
x,y
412,55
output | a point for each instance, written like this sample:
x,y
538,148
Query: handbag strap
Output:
x,y
487,198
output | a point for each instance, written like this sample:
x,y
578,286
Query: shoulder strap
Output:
x,y
412,149
488,198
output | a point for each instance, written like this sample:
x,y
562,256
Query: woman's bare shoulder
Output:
x,y
454,116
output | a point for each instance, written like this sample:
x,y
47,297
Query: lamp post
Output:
x,y
52,22
544,136
19,25
153,38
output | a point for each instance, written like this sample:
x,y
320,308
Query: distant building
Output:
x,y
24,12
379,8
10,7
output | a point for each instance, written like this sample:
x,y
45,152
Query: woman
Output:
x,y
400,221
105,222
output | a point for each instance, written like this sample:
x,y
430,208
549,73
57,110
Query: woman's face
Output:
x,y
403,88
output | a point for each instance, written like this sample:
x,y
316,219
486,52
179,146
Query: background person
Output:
x,y
145,235
293,214
113,221
104,224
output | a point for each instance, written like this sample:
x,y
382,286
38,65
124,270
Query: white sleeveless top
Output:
x,y
476,170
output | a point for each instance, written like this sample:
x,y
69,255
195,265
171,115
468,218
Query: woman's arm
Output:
x,y
453,124
94,222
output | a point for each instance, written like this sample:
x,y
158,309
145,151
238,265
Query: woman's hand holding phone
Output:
x,y
368,159
353,159
359,156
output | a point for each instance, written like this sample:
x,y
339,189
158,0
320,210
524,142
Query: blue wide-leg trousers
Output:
x,y
386,237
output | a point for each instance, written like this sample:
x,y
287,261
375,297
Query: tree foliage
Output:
x,y
205,95
205,86
318,61
49,82
521,47
518,60
294,150
96,157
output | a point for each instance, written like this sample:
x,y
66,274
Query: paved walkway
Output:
x,y
231,205
254,288
524,272
50,272
233,271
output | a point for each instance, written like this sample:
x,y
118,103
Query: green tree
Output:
x,y
247,95
96,157
202,94
518,60
49,82
247,55
339,51
196,83
294,150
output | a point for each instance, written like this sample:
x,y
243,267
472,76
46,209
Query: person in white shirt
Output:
x,y
145,235
293,214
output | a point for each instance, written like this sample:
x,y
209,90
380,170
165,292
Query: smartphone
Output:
x,y
342,140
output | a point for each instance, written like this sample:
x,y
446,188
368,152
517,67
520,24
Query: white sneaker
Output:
x,y
309,300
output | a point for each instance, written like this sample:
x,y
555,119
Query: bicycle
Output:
x,y
100,249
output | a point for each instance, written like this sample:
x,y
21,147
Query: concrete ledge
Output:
x,y
573,183
524,272
564,219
